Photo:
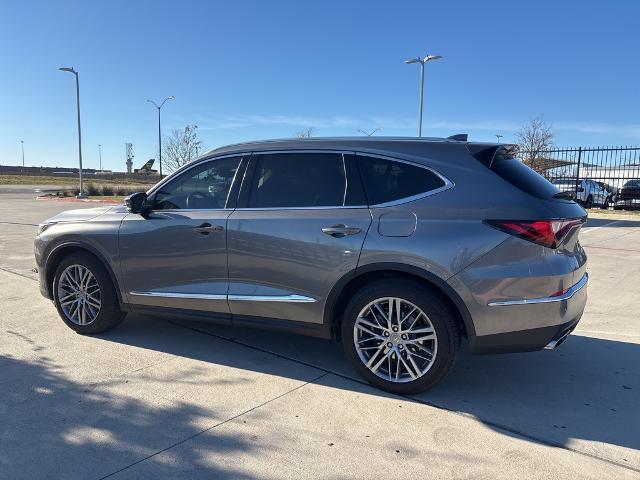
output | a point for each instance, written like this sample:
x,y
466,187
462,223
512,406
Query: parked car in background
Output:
x,y
397,247
587,192
611,193
629,195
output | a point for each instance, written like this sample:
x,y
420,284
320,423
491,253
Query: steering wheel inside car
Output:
x,y
201,200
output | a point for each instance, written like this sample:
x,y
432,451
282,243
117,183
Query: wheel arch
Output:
x,y
59,252
351,282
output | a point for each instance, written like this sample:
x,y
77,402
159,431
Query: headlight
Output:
x,y
42,227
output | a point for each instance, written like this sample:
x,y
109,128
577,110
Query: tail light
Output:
x,y
549,233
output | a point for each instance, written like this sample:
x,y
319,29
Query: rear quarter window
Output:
x,y
390,180
520,176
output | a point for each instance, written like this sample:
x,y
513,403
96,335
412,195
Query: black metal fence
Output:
x,y
611,167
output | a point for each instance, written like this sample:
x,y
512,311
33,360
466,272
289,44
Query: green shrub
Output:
x,y
92,189
107,190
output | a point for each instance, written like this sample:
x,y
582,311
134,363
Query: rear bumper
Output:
x,y
550,320
524,340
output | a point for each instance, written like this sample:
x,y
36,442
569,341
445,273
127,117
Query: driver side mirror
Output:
x,y
137,203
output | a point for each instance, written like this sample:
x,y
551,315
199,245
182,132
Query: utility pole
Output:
x,y
498,136
100,155
22,145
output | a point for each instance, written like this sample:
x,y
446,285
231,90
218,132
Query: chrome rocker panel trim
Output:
x,y
244,298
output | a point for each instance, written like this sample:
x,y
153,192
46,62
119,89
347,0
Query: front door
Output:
x,y
298,229
176,257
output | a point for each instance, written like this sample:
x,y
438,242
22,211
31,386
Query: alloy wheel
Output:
x,y
395,339
79,295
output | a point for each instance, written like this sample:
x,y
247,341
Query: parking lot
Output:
x,y
175,399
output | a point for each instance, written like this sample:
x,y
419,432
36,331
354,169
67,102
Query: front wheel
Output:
x,y
84,295
589,202
400,336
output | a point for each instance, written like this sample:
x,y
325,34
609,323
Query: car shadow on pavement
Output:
x,y
54,427
587,389
612,223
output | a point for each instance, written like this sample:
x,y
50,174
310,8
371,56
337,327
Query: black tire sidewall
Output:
x,y
439,314
110,314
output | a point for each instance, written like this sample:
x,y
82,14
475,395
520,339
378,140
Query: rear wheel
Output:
x,y
400,336
84,295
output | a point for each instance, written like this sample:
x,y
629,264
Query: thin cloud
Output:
x,y
407,124
621,131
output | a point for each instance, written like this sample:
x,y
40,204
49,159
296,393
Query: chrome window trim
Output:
x,y
531,301
192,296
187,167
245,298
401,201
275,209
447,183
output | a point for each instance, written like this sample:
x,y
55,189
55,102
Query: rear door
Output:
x,y
299,227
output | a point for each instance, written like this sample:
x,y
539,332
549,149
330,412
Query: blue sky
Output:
x,y
244,70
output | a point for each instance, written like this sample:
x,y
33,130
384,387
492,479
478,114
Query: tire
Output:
x,y
436,313
90,310
588,202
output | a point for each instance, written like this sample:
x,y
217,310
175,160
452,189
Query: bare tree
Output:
x,y
533,139
306,133
181,147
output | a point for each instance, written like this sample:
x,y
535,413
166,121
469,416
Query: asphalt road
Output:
x,y
174,399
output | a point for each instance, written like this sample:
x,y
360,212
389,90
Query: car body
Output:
x,y
344,238
628,196
587,192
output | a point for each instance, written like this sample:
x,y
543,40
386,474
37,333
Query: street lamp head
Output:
x,y
432,57
68,69
413,60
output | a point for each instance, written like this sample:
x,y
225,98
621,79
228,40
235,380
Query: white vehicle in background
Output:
x,y
586,192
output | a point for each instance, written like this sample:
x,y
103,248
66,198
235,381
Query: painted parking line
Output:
x,y
587,230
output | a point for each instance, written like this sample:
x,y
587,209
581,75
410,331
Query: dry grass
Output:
x,y
72,180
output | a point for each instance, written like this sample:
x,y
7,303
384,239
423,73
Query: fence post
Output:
x,y
578,170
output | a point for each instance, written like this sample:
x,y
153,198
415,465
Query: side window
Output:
x,y
388,180
203,187
305,180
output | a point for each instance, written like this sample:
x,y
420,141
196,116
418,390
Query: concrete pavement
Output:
x,y
158,399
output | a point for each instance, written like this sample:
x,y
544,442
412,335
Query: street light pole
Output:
x,y
421,61
22,145
100,155
159,107
71,70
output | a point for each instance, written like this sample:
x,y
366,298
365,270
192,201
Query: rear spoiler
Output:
x,y
487,154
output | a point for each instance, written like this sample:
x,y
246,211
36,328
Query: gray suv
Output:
x,y
397,247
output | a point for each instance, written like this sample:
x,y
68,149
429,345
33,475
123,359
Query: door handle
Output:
x,y
207,228
340,230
